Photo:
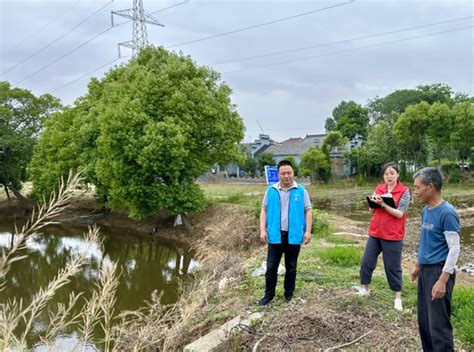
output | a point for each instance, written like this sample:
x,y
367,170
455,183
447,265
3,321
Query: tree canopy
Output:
x,y
316,163
21,119
266,158
143,134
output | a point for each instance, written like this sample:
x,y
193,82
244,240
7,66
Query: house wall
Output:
x,y
337,166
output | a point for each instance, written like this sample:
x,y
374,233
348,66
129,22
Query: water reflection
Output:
x,y
145,266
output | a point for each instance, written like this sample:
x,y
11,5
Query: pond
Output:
x,y
145,266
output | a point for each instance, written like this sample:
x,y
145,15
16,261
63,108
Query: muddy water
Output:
x,y
145,266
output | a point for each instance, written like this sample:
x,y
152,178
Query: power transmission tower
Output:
x,y
140,18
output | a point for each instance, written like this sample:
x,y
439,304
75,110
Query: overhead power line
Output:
x,y
340,41
90,40
88,73
87,42
260,24
46,25
56,40
155,12
64,56
349,50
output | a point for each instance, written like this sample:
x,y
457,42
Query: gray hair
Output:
x,y
430,175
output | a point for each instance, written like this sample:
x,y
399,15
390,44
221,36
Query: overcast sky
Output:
x,y
289,94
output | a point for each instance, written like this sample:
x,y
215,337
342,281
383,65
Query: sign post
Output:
x,y
271,174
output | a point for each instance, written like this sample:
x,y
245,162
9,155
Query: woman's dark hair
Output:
x,y
391,164
285,163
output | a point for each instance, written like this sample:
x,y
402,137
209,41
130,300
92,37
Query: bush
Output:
x,y
235,198
320,223
343,256
463,315
450,170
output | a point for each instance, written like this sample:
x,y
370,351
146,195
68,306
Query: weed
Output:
x,y
463,314
343,256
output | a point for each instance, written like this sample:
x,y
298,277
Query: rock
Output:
x,y
217,339
224,282
468,268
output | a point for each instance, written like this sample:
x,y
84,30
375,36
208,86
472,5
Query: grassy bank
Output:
x,y
328,268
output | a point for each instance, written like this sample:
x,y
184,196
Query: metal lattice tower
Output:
x,y
140,18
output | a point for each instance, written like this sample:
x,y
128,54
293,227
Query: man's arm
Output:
x,y
439,288
308,214
415,271
263,226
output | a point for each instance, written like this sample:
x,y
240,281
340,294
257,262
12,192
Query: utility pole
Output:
x,y
140,18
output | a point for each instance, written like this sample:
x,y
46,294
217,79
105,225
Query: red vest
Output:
x,y
383,224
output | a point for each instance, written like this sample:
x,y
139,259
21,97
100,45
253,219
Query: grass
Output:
x,y
341,256
337,268
463,314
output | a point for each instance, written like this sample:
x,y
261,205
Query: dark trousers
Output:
x,y
392,260
275,252
436,331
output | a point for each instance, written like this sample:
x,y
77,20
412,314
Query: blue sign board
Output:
x,y
271,174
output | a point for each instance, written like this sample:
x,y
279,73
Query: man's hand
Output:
x,y
414,272
263,237
439,290
307,237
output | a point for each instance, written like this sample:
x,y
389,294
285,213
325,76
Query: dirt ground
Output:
x,y
330,319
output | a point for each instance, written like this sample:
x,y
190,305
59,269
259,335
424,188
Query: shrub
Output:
x,y
235,198
343,256
320,223
463,315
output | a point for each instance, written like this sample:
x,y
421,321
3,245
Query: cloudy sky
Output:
x,y
295,61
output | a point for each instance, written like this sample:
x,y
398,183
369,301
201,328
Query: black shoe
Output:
x,y
264,300
288,298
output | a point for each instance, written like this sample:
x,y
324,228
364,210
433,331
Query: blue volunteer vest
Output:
x,y
296,216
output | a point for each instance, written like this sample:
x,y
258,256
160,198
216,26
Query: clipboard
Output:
x,y
387,200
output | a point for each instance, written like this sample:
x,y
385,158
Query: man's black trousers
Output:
x,y
275,252
434,316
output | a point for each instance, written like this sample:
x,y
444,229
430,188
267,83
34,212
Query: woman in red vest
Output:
x,y
386,233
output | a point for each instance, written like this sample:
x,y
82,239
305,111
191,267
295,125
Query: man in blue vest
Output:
x,y
285,224
435,269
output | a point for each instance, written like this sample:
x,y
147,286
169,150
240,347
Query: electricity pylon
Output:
x,y
140,18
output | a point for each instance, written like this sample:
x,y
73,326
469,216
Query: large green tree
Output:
x,y
315,163
391,106
337,113
266,158
441,124
381,147
144,133
354,121
463,129
334,139
21,118
411,131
